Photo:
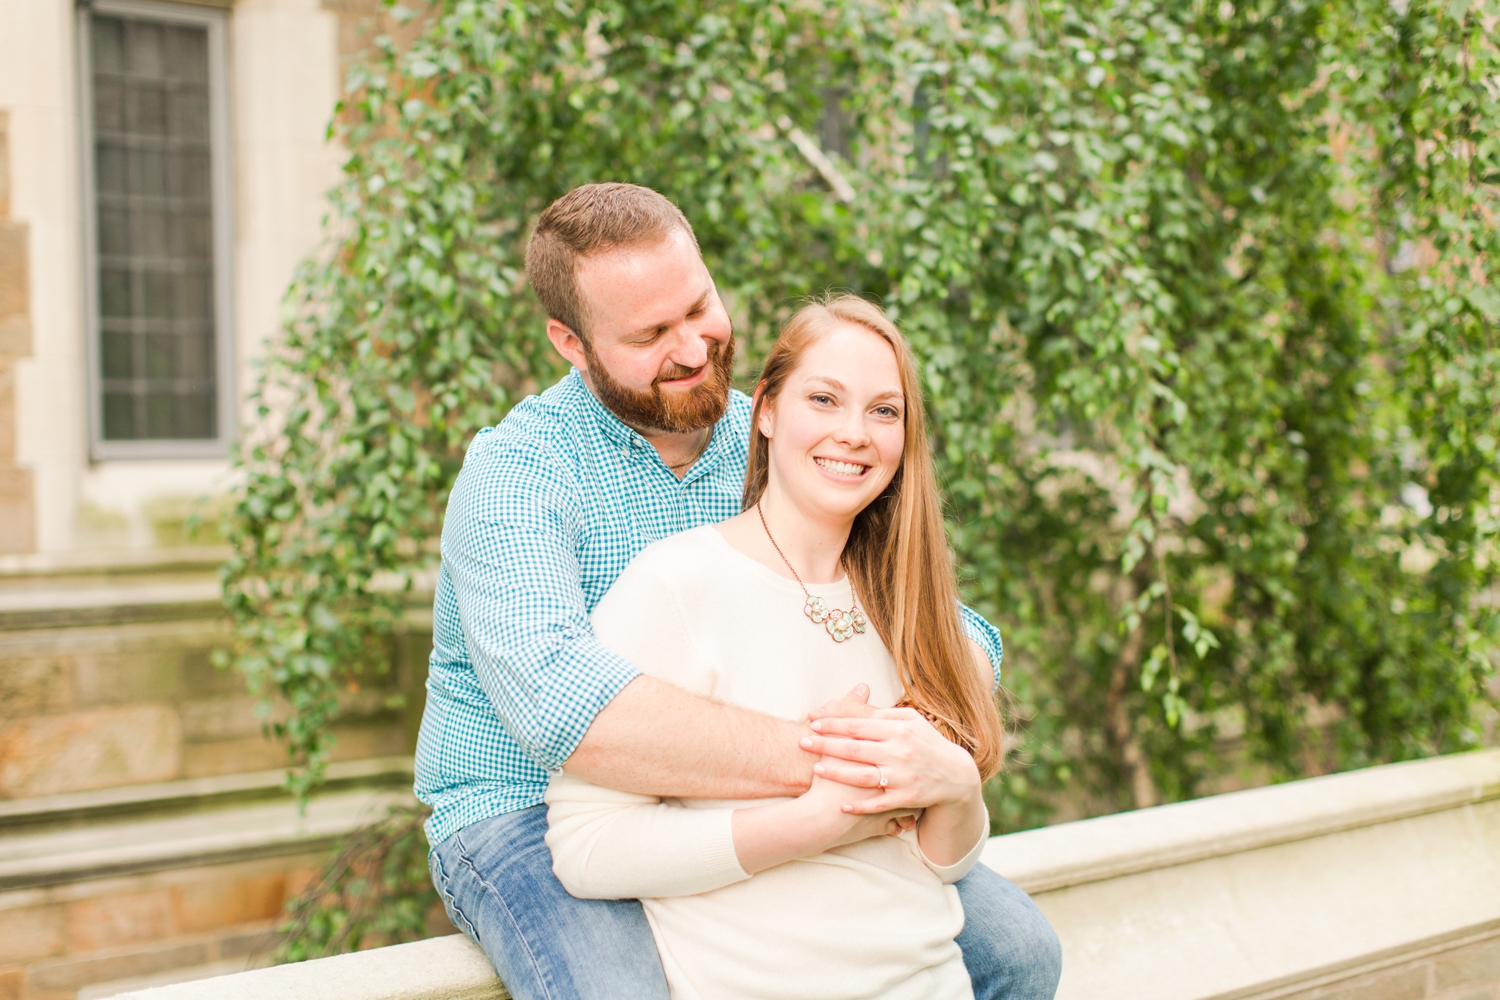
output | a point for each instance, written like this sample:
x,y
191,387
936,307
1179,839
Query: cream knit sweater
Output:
x,y
874,919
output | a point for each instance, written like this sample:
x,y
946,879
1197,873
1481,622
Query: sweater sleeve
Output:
x,y
616,845
608,844
948,874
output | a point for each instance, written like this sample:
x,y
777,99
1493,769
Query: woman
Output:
x,y
836,573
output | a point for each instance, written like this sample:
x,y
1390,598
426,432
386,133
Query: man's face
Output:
x,y
659,349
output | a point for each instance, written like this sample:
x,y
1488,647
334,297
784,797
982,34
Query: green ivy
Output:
x,y
374,890
1200,292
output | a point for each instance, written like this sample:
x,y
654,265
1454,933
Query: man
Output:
x,y
643,439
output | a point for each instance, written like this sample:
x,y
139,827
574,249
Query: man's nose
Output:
x,y
689,349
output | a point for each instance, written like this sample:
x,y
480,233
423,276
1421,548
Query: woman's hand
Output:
x,y
921,768
815,821
911,767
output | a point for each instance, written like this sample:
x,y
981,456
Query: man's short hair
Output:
x,y
589,220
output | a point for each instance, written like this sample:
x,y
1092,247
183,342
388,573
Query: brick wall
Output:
x,y
17,514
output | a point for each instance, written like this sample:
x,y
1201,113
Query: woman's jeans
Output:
x,y
496,881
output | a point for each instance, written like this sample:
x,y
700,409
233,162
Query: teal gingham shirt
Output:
x,y
550,507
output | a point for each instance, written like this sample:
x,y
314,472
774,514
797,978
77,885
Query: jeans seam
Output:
x,y
453,902
469,863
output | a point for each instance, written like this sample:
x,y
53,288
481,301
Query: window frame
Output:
x,y
221,189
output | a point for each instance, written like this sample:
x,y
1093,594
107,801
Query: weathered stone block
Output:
x,y
14,279
1476,965
29,933
220,718
209,905
15,336
70,974
34,685
125,919
130,672
4,165
76,751
1404,982
7,409
251,753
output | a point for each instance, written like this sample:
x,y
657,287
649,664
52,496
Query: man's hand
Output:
x,y
854,705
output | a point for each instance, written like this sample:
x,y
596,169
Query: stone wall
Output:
x,y
114,702
17,516
58,940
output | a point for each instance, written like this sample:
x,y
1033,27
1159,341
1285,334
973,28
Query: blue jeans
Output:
x,y
496,881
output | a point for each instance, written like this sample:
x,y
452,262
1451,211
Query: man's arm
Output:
x,y
656,739
510,547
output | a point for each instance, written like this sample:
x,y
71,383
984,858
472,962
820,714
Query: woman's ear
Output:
x,y
766,418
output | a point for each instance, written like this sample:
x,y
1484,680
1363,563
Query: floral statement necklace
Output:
x,y
840,624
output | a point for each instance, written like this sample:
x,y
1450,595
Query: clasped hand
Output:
x,y
860,745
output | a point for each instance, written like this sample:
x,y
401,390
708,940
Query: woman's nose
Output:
x,y
852,432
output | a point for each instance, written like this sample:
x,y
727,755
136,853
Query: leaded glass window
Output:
x,y
156,321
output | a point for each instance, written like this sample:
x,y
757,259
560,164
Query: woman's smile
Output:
x,y
840,470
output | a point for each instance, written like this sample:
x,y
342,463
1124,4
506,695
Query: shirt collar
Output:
x,y
626,436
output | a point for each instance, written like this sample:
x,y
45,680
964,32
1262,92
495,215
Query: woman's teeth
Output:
x,y
842,468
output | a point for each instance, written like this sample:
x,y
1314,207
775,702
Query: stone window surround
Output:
x,y
214,17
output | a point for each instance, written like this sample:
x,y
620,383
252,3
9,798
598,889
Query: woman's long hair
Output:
x,y
897,553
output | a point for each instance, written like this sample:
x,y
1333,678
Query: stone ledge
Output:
x,y
445,968
1287,892
1110,846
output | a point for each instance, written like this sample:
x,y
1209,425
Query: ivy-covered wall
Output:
x,y
1201,290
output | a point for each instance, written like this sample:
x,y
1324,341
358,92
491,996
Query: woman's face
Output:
x,y
838,427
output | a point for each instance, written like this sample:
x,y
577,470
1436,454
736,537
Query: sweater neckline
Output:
x,y
838,590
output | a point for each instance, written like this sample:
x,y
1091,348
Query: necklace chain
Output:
x,y
707,437
842,625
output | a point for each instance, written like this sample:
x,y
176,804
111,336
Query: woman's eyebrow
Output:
x,y
832,383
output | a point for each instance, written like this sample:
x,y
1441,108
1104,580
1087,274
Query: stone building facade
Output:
x,y
89,181
163,165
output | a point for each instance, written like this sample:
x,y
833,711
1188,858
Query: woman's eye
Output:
x,y
822,400
887,411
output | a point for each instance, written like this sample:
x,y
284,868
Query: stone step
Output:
x,y
61,592
106,679
61,839
128,888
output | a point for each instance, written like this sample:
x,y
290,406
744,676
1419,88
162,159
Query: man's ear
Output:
x,y
567,343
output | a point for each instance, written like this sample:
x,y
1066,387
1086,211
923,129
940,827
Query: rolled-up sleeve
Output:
x,y
988,637
510,545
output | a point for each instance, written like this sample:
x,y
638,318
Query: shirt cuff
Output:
x,y
948,874
721,863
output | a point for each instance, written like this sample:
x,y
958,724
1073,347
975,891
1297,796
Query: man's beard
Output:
x,y
677,413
